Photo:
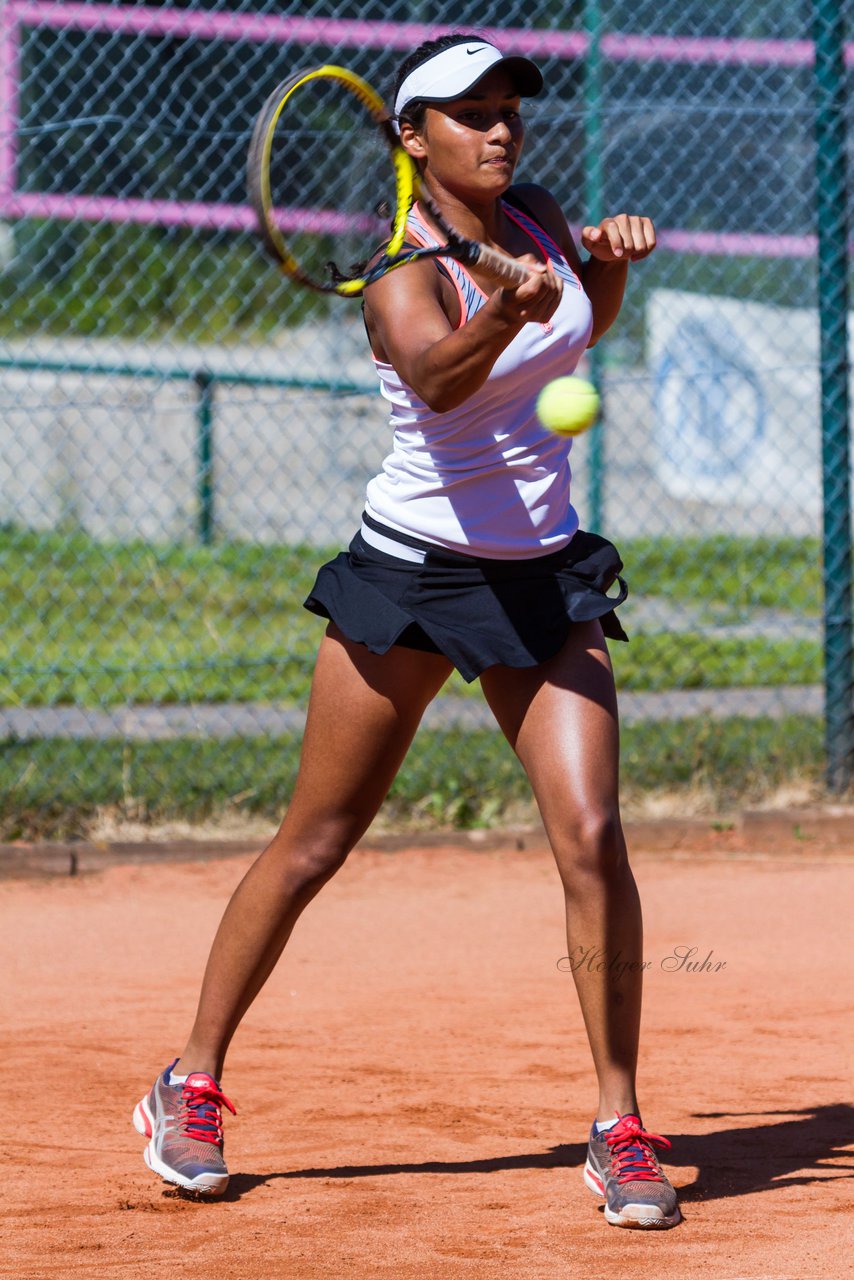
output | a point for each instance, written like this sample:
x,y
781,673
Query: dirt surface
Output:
x,y
414,1087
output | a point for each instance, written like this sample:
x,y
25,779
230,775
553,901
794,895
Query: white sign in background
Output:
x,y
736,401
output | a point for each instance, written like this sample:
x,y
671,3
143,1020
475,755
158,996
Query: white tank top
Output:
x,y
486,478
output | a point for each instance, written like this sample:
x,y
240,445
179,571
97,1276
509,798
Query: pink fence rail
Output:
x,y
272,29
174,213
230,217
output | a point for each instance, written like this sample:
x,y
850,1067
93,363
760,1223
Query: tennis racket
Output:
x,y
332,187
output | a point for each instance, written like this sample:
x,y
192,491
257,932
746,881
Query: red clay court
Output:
x,y
413,1087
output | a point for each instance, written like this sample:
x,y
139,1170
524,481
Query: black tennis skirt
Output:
x,y
477,612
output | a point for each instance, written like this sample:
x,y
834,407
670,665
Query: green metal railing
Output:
x,y
594,190
832,222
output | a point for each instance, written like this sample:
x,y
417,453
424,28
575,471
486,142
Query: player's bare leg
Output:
x,y
363,713
561,719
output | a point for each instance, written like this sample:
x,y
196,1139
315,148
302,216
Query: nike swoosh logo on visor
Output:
x,y
479,49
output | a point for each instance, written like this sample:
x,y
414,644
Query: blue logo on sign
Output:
x,y
710,407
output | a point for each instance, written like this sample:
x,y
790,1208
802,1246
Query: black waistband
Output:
x,y
406,539
444,555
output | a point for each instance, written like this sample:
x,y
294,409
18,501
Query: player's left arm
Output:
x,y
612,245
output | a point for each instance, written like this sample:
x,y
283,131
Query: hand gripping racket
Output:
x,y
323,190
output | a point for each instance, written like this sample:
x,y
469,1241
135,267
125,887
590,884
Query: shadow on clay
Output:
x,y
803,1148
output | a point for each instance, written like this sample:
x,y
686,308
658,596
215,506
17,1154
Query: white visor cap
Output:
x,y
451,73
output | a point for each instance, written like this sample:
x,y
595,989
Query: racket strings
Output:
x,y
331,185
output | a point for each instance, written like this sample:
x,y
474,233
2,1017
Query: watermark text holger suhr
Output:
x,y
681,959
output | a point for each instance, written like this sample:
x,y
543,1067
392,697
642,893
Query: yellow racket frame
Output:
x,y
258,171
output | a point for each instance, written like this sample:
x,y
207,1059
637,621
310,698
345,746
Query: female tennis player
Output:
x,y
469,556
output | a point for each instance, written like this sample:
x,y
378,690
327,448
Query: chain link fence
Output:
x,y
184,436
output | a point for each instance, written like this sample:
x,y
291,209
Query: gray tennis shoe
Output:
x,y
183,1122
623,1168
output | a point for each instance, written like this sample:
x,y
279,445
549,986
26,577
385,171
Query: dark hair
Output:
x,y
413,112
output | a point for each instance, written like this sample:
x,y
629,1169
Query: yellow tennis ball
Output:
x,y
568,406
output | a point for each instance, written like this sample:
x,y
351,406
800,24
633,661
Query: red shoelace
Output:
x,y
632,1157
200,1111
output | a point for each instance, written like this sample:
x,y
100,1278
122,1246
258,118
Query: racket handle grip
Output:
x,y
504,269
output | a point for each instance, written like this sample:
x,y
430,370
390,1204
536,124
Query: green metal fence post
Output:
x,y
204,383
832,219
594,186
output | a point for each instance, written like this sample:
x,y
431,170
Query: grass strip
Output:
x,y
99,624
739,575
53,788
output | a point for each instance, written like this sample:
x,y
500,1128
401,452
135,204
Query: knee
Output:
x,y
591,848
309,862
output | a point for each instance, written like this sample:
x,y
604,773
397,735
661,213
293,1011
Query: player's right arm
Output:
x,y
411,316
